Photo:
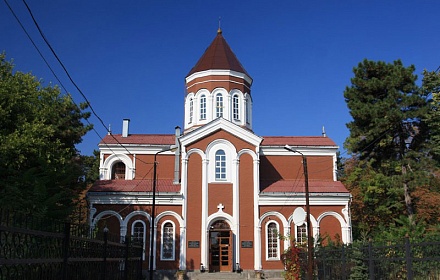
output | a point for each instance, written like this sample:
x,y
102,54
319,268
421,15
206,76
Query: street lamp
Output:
x,y
153,207
309,224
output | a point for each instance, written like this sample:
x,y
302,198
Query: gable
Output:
x,y
217,129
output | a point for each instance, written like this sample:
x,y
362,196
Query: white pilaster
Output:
x,y
204,237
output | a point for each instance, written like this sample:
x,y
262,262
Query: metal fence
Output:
x,y
405,260
32,248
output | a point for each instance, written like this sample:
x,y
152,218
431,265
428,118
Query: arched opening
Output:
x,y
220,247
118,171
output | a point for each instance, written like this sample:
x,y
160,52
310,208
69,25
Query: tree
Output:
x,y
387,135
40,168
431,86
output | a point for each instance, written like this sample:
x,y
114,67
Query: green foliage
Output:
x,y
394,140
40,168
386,106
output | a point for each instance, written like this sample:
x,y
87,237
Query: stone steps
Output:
x,y
231,275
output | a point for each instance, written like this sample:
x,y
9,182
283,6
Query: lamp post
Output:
x,y
309,224
153,209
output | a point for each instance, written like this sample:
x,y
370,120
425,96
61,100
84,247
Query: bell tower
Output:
x,y
218,86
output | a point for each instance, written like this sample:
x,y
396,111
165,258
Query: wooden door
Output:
x,y
220,251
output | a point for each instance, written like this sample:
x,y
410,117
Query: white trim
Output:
x,y
214,72
106,169
230,153
267,241
162,239
345,227
143,235
217,124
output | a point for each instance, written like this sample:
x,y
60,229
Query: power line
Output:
x,y
75,84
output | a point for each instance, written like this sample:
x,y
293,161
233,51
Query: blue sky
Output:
x,y
130,58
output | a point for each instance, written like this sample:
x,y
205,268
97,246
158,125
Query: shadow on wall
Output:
x,y
270,174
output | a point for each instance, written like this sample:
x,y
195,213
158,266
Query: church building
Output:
x,y
214,195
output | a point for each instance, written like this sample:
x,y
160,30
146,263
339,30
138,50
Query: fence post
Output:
x,y
104,262
408,258
141,260
66,242
370,260
344,263
127,250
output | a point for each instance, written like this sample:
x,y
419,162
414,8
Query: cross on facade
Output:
x,y
220,207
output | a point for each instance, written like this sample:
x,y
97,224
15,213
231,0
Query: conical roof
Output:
x,y
218,56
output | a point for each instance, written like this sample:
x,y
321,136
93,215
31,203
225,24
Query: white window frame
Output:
x,y
297,227
236,107
219,105
173,226
220,165
203,107
191,109
143,235
277,241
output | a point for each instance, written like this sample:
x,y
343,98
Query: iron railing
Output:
x,y
32,248
371,261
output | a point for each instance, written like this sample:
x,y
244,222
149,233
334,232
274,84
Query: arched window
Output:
x,y
138,234
272,241
219,105
118,171
301,234
220,165
235,107
191,109
167,247
203,107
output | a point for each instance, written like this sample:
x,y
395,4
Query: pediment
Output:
x,y
220,124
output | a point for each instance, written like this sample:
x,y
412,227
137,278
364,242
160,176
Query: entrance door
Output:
x,y
220,250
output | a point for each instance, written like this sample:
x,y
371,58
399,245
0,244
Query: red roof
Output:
x,y
162,185
298,186
218,56
169,139
266,186
146,139
297,141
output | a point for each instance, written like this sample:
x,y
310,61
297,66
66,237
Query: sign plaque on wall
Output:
x,y
193,244
246,244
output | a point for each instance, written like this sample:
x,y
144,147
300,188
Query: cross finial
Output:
x,y
220,207
219,30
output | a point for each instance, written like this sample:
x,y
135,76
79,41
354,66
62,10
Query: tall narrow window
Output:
x,y
191,110
219,105
301,234
203,107
272,241
248,120
138,234
220,165
167,248
235,107
118,171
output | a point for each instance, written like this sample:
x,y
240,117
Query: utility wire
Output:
x,y
74,83
48,65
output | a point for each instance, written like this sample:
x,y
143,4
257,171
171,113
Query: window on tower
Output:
x,y
235,107
219,105
203,107
248,110
220,165
191,109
